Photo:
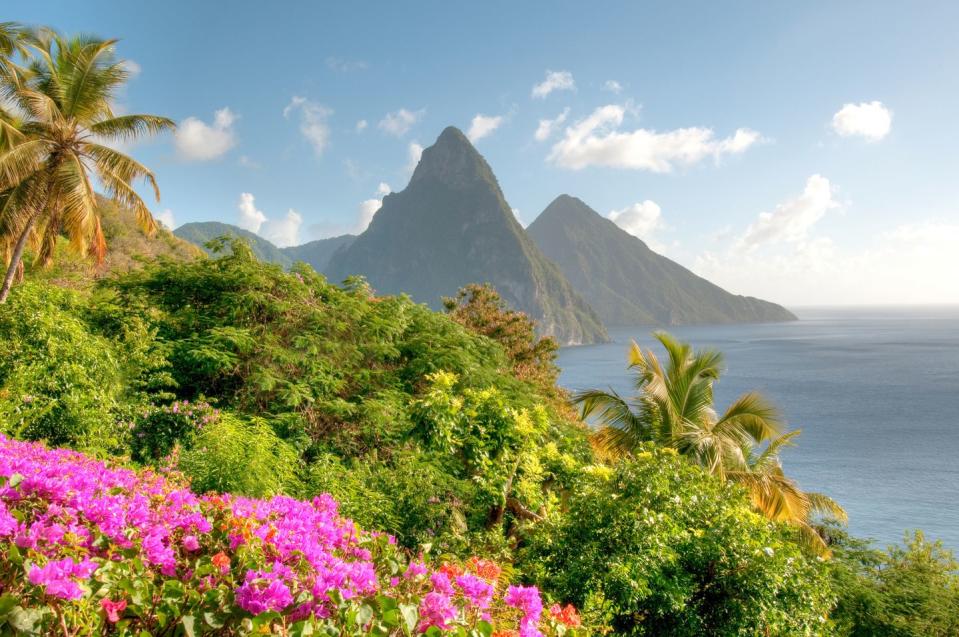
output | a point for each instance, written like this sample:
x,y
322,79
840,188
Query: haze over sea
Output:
x,y
874,390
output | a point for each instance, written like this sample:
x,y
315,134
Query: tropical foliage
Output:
x,y
195,446
656,546
57,139
674,407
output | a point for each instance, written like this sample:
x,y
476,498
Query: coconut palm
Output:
x,y
674,407
62,101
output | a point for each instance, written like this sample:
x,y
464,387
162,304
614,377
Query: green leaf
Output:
x,y
188,622
26,620
7,602
14,480
364,615
411,616
484,628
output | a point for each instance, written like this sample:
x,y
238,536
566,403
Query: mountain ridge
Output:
x,y
627,282
452,226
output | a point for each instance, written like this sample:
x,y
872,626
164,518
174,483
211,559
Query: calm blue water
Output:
x,y
875,392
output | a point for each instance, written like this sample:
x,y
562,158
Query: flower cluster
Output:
x,y
90,539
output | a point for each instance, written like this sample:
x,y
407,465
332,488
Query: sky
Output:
x,y
799,152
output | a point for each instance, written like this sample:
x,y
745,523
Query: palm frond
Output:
x,y
128,127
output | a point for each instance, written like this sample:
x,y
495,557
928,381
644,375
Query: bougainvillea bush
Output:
x,y
87,548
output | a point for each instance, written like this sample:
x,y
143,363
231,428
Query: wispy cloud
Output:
x,y
399,123
555,81
483,125
547,127
341,65
313,124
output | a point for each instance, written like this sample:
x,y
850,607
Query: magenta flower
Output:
x,y
58,577
476,590
262,592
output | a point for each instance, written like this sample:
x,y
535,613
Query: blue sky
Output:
x,y
839,187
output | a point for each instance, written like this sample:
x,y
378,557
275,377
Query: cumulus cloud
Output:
x,y
345,66
613,87
369,207
640,219
196,140
792,220
284,231
547,127
870,120
596,141
414,151
555,81
483,125
400,122
250,218
313,124
166,218
361,125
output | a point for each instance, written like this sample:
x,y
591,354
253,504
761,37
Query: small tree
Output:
x,y
56,141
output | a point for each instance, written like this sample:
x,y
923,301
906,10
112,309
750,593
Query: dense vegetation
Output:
x,y
193,445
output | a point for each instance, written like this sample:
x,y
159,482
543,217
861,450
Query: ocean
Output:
x,y
875,392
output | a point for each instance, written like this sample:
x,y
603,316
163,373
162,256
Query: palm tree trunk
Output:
x,y
15,259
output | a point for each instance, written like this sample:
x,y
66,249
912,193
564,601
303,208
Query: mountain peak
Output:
x,y
454,160
569,208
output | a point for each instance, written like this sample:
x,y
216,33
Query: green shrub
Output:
x,y
242,456
655,546
59,382
907,591
159,429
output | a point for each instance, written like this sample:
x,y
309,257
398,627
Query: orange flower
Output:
x,y
487,569
221,561
451,570
565,615
505,633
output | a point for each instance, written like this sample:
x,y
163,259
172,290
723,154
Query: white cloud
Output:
x,y
792,220
483,125
414,152
782,257
250,218
313,124
248,162
197,141
640,219
613,87
369,207
555,81
871,120
345,66
286,231
361,125
907,264
282,232
400,122
166,218
595,141
547,127
132,68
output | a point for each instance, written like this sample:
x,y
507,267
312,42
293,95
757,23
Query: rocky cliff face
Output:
x,y
451,226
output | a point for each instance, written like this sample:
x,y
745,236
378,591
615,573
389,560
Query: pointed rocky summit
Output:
x,y
451,226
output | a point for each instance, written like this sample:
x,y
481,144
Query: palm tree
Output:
x,y
674,407
65,122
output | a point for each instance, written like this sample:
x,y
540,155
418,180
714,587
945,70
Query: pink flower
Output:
x,y
436,609
58,577
113,609
190,543
478,591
